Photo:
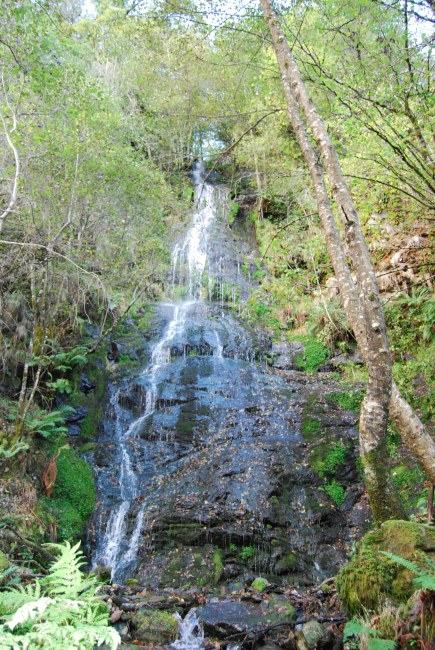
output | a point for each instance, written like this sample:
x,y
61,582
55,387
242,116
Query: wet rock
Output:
x,y
77,415
286,564
282,609
86,386
116,616
225,618
114,352
316,636
344,359
285,354
74,430
102,573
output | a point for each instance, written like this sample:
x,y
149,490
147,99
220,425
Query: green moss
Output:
x,y
349,400
247,552
315,354
286,564
283,609
260,584
88,446
73,498
370,577
309,425
335,491
156,627
4,562
327,464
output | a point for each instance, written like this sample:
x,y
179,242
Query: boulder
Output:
x,y
285,354
371,578
260,584
155,626
315,636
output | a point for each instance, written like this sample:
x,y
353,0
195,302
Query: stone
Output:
x,y
285,354
86,386
317,636
286,564
370,577
115,616
155,626
225,618
74,430
102,573
77,415
260,584
281,608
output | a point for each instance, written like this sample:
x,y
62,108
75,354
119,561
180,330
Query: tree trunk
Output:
x,y
362,303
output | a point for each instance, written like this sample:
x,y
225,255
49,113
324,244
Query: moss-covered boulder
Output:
x,y
260,584
155,627
370,577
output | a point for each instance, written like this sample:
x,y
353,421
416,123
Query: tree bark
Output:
x,y
361,301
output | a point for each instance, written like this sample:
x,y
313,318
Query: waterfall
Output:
x,y
116,547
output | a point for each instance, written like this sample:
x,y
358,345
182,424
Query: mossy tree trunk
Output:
x,y
360,298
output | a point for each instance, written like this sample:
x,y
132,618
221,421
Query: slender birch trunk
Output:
x,y
361,300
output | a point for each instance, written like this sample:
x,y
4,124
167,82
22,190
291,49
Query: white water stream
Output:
x,y
189,256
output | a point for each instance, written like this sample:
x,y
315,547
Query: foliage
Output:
x,y
49,425
425,576
60,610
371,576
334,458
349,400
335,491
355,628
247,552
314,355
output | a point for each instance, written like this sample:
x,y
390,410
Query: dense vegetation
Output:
x,y
101,119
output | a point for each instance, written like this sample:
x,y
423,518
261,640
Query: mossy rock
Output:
x,y
370,577
283,609
260,584
155,627
192,566
286,564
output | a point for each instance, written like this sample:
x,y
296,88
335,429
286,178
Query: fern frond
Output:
x,y
411,566
61,611
29,611
425,581
425,577
65,577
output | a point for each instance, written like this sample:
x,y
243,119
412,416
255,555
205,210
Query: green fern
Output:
x,y
355,628
51,424
425,578
60,611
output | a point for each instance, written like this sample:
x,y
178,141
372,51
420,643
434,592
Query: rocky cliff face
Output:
x,y
212,464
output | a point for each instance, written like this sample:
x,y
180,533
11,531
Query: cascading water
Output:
x,y
116,548
196,455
